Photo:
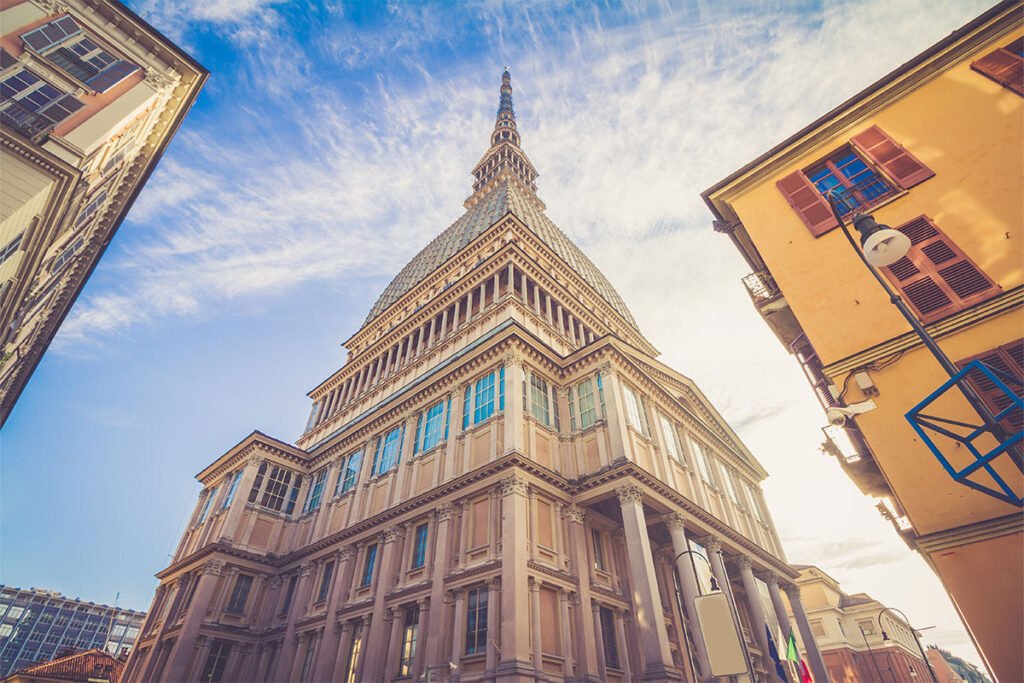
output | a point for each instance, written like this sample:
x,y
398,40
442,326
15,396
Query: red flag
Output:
x,y
805,675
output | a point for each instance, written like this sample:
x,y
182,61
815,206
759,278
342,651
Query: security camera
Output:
x,y
837,416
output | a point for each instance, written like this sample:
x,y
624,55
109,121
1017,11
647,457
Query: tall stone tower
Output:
x,y
492,488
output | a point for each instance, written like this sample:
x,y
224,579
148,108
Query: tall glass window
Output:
x,y
539,401
730,484
419,549
371,559
325,582
429,428
230,495
611,648
257,484
585,396
277,488
348,473
633,408
483,398
476,621
307,660
216,662
595,536
316,490
409,636
294,495
289,593
757,503
353,654
388,452
206,505
236,605
703,461
671,445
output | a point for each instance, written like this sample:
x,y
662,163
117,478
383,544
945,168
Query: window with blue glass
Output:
x,y
368,563
476,621
388,452
316,491
483,398
230,495
430,426
419,548
348,473
294,495
850,180
206,505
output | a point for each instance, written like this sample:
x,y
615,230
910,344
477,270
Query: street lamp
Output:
x,y
917,639
428,674
882,246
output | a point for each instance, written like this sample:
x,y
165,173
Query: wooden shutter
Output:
x,y
1010,360
936,278
1004,67
899,164
808,203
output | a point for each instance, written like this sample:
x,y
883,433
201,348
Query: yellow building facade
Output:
x,y
934,149
90,96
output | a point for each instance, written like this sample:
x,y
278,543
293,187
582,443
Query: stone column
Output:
x,y
515,635
585,636
514,409
563,615
538,658
376,642
602,663
647,607
202,651
620,639
676,524
363,650
176,668
392,652
247,666
323,668
344,645
289,644
616,417
423,605
757,616
817,662
493,587
441,557
229,531
780,609
459,627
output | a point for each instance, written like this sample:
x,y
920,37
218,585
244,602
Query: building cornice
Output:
x,y
971,533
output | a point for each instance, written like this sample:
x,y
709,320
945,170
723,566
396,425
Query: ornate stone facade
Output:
x,y
501,407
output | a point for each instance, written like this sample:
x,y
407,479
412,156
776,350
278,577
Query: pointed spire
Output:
x,y
505,126
505,159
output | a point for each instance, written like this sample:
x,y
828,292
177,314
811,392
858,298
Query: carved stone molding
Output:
x,y
254,460
494,583
574,513
595,605
713,545
743,562
514,484
792,591
214,567
443,512
392,534
674,520
771,578
346,553
630,493
307,569
533,583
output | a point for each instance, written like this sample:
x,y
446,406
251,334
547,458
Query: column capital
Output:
x,y
513,358
713,545
595,606
391,613
514,484
274,582
392,533
534,584
743,562
214,567
792,591
423,604
574,513
674,520
254,460
443,512
307,569
494,583
564,595
630,493
772,579
346,553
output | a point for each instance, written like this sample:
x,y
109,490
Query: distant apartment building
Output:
x,y
860,641
90,96
39,625
933,149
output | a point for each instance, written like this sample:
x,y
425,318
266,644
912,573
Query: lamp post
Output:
x,y
871,654
885,636
882,246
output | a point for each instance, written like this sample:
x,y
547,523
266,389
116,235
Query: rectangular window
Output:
x,y
409,636
671,445
289,593
388,452
572,409
554,409
325,582
850,180
611,648
206,505
588,411
419,549
633,408
757,503
11,247
348,473
703,461
466,408
257,483
371,559
935,277
307,660
1005,66
277,488
483,398
539,405
429,428
316,490
349,675
294,495
230,495
476,621
216,662
50,34
236,605
730,483
1007,363
595,537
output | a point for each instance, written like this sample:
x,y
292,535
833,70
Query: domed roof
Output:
x,y
507,196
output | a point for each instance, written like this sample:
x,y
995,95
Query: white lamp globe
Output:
x,y
886,247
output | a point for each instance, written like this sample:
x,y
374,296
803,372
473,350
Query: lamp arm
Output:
x,y
917,639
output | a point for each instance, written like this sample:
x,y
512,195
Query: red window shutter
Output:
x,y
1010,360
1003,67
897,162
936,278
808,203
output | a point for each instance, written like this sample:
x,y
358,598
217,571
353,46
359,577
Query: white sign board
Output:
x,y
725,651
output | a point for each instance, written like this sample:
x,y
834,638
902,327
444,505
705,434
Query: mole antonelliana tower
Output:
x,y
497,479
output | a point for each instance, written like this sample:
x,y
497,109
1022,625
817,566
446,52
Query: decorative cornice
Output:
x,y
514,484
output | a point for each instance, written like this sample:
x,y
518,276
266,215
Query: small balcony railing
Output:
x,y
862,195
27,122
762,287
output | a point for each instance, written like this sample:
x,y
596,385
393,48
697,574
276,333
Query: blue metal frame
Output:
x,y
922,422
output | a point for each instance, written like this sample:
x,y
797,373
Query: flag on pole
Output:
x,y
773,652
791,651
805,675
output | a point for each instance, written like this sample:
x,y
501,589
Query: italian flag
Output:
x,y
794,656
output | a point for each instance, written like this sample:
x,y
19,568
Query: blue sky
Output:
x,y
334,141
